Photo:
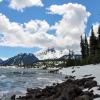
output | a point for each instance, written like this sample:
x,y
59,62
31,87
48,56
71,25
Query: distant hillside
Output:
x,y
21,60
1,61
75,56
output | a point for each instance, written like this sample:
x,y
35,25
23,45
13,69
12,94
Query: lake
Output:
x,y
15,80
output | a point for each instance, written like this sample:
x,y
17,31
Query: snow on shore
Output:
x,y
81,71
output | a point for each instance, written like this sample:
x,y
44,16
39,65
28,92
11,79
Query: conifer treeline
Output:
x,y
91,50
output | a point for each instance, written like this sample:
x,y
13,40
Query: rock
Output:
x,y
92,91
89,84
83,97
87,75
86,82
71,92
68,90
30,90
73,71
54,71
13,97
27,97
90,94
69,77
98,88
96,96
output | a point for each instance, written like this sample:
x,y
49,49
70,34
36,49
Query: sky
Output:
x,y
32,25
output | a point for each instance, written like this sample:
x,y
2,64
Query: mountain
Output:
x,y
21,59
1,61
51,53
75,56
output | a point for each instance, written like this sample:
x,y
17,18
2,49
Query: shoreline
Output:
x,y
78,74
71,89
81,76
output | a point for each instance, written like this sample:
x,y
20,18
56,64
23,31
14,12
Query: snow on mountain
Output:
x,y
51,53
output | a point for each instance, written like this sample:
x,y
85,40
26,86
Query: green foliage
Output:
x,y
84,47
93,43
98,51
93,50
99,33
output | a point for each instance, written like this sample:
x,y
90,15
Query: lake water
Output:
x,y
16,80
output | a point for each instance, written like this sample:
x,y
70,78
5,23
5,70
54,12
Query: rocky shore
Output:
x,y
71,89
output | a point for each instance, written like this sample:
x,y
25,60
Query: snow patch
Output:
x,y
80,71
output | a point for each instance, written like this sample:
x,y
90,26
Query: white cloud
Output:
x,y
21,4
72,24
1,0
34,26
15,34
35,32
95,28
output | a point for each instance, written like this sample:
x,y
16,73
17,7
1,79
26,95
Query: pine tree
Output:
x,y
99,33
93,43
99,36
98,40
82,48
86,47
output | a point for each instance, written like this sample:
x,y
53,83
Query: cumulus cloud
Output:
x,y
31,34
72,24
35,32
34,26
21,4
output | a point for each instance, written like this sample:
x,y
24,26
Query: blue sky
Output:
x,y
38,12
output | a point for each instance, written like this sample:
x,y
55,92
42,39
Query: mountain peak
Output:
x,y
51,50
51,53
21,59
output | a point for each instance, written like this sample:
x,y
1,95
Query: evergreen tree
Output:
x,y
93,48
82,44
86,47
99,38
93,43
99,33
